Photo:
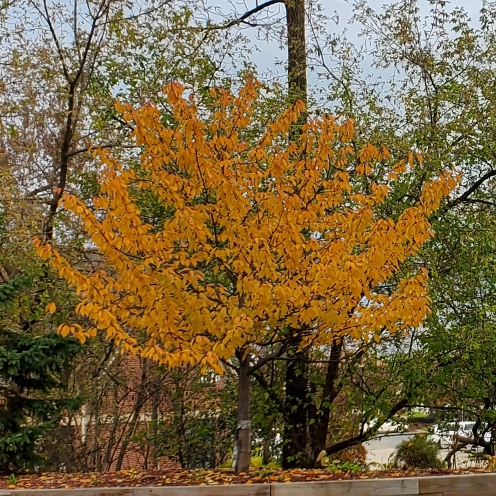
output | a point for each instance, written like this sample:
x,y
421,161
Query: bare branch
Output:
x,y
39,190
60,53
267,358
465,196
149,11
93,147
243,18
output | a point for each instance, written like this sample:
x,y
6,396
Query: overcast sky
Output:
x,y
266,54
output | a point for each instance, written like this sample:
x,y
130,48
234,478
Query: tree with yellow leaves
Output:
x,y
264,241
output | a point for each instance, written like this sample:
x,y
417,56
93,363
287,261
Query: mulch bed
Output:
x,y
134,478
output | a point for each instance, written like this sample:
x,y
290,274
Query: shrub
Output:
x,y
417,452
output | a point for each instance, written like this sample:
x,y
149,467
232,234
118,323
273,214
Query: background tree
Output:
x,y
440,101
68,70
33,371
35,364
32,368
198,430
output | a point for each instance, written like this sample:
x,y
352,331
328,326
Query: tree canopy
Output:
x,y
264,239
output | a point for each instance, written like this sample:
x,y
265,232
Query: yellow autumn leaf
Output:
x,y
51,307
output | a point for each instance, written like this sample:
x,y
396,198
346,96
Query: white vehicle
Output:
x,y
386,427
389,427
444,434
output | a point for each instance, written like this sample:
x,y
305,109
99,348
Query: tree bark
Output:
x,y
243,427
156,399
295,429
296,380
297,53
319,426
132,424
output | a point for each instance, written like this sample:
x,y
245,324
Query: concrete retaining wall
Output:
x,y
451,485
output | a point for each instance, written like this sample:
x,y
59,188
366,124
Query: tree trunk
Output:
x,y
296,381
297,53
133,422
243,427
156,400
295,429
319,417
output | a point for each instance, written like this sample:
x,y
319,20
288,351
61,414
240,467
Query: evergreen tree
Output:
x,y
32,368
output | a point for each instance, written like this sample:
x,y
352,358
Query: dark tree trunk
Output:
x,y
295,432
156,400
243,427
133,422
297,53
295,429
319,417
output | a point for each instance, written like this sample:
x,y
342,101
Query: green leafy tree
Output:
x,y
438,99
462,332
